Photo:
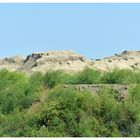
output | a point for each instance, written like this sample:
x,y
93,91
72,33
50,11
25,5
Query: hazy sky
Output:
x,y
92,30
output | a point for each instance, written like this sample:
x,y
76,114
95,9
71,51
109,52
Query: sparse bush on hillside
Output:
x,y
113,77
120,77
53,78
88,76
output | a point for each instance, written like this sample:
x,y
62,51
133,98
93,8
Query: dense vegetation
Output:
x,y
38,105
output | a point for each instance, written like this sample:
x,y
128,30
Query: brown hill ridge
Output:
x,y
54,60
125,60
69,61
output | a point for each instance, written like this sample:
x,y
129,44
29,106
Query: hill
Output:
x,y
69,61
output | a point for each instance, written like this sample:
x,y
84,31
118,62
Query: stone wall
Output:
x,y
120,90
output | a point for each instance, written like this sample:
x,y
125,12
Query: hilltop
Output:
x,y
69,61
125,60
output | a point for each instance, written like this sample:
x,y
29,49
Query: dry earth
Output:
x,y
69,61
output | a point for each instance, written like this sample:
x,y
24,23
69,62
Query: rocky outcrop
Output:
x,y
12,63
54,60
69,61
125,60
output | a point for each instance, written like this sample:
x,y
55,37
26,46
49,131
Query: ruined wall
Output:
x,y
120,90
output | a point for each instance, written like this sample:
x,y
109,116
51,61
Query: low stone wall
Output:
x,y
120,90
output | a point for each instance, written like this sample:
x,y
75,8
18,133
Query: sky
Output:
x,y
92,30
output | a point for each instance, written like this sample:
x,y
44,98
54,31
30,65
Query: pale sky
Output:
x,y
92,30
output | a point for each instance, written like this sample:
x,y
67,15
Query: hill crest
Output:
x,y
69,61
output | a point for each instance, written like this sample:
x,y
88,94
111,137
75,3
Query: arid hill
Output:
x,y
125,60
54,60
69,61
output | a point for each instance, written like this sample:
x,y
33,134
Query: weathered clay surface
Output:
x,y
125,60
12,63
69,61
55,60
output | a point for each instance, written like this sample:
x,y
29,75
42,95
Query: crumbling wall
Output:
x,y
120,90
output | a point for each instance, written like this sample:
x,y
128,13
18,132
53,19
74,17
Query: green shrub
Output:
x,y
134,94
53,78
14,91
36,82
88,76
121,77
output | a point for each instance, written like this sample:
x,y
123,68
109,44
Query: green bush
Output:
x,y
88,76
53,78
121,77
36,82
14,91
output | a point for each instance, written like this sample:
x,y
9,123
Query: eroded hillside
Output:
x,y
69,61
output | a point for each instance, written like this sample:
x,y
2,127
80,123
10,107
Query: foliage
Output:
x,y
88,76
39,106
14,91
70,113
53,78
123,76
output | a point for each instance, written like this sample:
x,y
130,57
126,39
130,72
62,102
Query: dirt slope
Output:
x,y
69,61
